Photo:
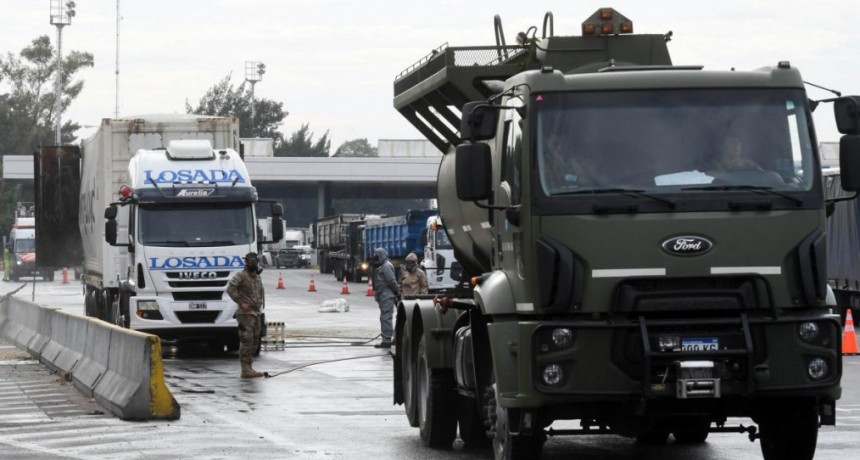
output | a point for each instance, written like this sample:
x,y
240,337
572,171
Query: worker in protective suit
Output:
x,y
386,291
413,280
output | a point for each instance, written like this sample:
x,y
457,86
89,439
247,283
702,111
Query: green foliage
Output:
x,y
301,144
356,148
223,99
27,114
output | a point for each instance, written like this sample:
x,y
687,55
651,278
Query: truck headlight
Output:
x,y
818,368
562,337
552,374
147,305
808,331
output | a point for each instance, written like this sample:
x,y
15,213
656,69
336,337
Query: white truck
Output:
x,y
22,246
442,269
180,216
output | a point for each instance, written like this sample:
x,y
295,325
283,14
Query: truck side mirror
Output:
x,y
479,121
474,172
277,227
277,209
110,225
846,110
849,162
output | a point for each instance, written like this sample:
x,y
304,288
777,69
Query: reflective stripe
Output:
x,y
759,270
625,272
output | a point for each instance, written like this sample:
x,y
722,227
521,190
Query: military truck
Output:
x,y
629,271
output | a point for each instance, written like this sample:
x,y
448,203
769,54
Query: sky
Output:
x,y
332,62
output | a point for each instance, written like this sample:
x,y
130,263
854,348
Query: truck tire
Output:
x,y
355,275
90,302
473,432
507,446
437,411
407,378
788,428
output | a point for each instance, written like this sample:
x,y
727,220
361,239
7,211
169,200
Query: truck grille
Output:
x,y
197,317
189,279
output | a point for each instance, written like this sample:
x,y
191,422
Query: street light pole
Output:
x,y
61,15
253,73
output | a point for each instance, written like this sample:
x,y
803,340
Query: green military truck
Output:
x,y
646,242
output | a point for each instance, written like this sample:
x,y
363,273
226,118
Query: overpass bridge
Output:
x,y
314,187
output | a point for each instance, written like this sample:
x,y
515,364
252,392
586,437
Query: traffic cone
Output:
x,y
369,287
65,276
345,288
312,287
849,338
280,281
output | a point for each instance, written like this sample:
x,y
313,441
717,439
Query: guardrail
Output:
x,y
121,369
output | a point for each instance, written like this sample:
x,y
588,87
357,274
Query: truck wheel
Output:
x,y
407,378
437,416
695,432
90,302
356,276
473,432
788,429
507,446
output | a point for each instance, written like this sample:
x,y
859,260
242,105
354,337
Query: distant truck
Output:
x,y
340,246
22,246
843,243
166,215
442,269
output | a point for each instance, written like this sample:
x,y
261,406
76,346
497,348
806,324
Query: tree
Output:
x,y
301,144
222,99
27,116
356,148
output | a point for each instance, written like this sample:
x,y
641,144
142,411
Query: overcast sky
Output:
x,y
332,62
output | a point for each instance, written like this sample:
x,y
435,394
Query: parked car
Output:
x,y
289,258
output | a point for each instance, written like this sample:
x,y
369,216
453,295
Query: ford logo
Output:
x,y
687,245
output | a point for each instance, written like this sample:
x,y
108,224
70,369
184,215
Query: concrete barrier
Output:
x,y
120,368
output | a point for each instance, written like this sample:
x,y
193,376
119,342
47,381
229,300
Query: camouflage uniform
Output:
x,y
246,288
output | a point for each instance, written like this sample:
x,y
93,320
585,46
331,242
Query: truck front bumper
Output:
x,y
716,359
170,319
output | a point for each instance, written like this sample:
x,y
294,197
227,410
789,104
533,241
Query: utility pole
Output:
x,y
61,15
253,73
118,19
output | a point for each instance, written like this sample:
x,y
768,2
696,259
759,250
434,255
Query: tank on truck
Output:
x,y
641,236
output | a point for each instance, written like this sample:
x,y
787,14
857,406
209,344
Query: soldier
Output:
x,y
413,281
246,289
385,291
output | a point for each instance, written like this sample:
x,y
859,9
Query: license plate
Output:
x,y
700,344
197,305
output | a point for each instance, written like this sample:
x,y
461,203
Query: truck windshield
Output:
x,y
673,141
25,245
442,241
198,225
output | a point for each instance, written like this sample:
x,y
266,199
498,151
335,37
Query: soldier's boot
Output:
x,y
248,372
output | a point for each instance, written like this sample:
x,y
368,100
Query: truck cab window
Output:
x,y
513,136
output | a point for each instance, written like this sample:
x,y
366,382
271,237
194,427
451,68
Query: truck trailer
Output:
x,y
623,276
167,212
340,246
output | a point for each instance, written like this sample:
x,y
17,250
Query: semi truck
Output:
x,y
443,270
166,214
620,278
398,235
339,243
843,243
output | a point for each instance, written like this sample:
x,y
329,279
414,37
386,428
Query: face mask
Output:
x,y
410,266
375,261
251,266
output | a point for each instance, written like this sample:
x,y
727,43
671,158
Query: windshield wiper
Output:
x,y
167,243
215,243
624,191
753,188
